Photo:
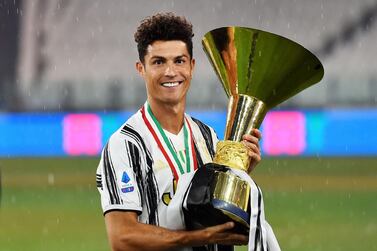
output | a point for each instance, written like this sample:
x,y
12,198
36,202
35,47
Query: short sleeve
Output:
x,y
117,181
215,138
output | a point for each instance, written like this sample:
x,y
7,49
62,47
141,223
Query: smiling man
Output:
x,y
147,157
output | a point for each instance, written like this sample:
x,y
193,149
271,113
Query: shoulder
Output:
x,y
205,136
200,124
132,131
128,144
205,129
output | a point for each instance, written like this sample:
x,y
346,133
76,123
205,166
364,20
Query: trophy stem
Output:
x,y
244,113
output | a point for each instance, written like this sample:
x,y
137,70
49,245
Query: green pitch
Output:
x,y
313,204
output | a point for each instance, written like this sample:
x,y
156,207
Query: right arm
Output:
x,y
126,233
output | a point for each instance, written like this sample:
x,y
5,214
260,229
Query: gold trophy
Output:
x,y
258,71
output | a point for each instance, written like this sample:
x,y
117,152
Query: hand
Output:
x,y
251,141
220,234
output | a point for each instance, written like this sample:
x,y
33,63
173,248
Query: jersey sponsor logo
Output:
x,y
128,189
126,186
166,197
125,177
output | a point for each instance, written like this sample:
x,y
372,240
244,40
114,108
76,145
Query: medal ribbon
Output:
x,y
169,145
192,146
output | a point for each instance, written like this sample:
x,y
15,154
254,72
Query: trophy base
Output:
x,y
204,210
233,212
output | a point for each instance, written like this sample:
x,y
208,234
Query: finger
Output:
x,y
240,240
233,239
222,227
252,147
255,157
250,138
257,133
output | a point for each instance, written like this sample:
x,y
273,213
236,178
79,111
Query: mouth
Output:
x,y
171,84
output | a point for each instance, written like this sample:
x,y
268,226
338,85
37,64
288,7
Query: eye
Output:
x,y
180,61
158,62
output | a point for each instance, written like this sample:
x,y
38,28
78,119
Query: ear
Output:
x,y
140,68
192,65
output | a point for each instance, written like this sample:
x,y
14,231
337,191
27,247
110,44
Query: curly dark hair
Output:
x,y
165,27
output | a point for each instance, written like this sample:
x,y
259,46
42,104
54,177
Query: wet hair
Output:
x,y
165,27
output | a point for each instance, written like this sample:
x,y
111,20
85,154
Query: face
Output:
x,y
167,71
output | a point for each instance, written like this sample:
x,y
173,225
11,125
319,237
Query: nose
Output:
x,y
170,70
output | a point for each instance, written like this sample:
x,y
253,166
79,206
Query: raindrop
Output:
x,y
312,206
371,228
45,231
51,179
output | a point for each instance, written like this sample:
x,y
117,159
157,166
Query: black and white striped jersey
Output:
x,y
141,164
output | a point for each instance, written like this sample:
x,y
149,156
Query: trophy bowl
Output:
x,y
258,70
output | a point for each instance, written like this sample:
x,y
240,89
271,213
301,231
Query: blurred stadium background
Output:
x,y
67,81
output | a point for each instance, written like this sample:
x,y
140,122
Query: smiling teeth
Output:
x,y
170,84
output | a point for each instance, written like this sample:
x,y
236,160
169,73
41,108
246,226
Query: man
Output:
x,y
145,160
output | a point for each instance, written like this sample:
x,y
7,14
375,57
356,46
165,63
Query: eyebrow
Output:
x,y
161,57
157,57
182,56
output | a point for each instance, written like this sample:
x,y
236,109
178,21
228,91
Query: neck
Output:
x,y
170,116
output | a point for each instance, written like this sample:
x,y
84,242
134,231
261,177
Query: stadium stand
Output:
x,y
78,55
